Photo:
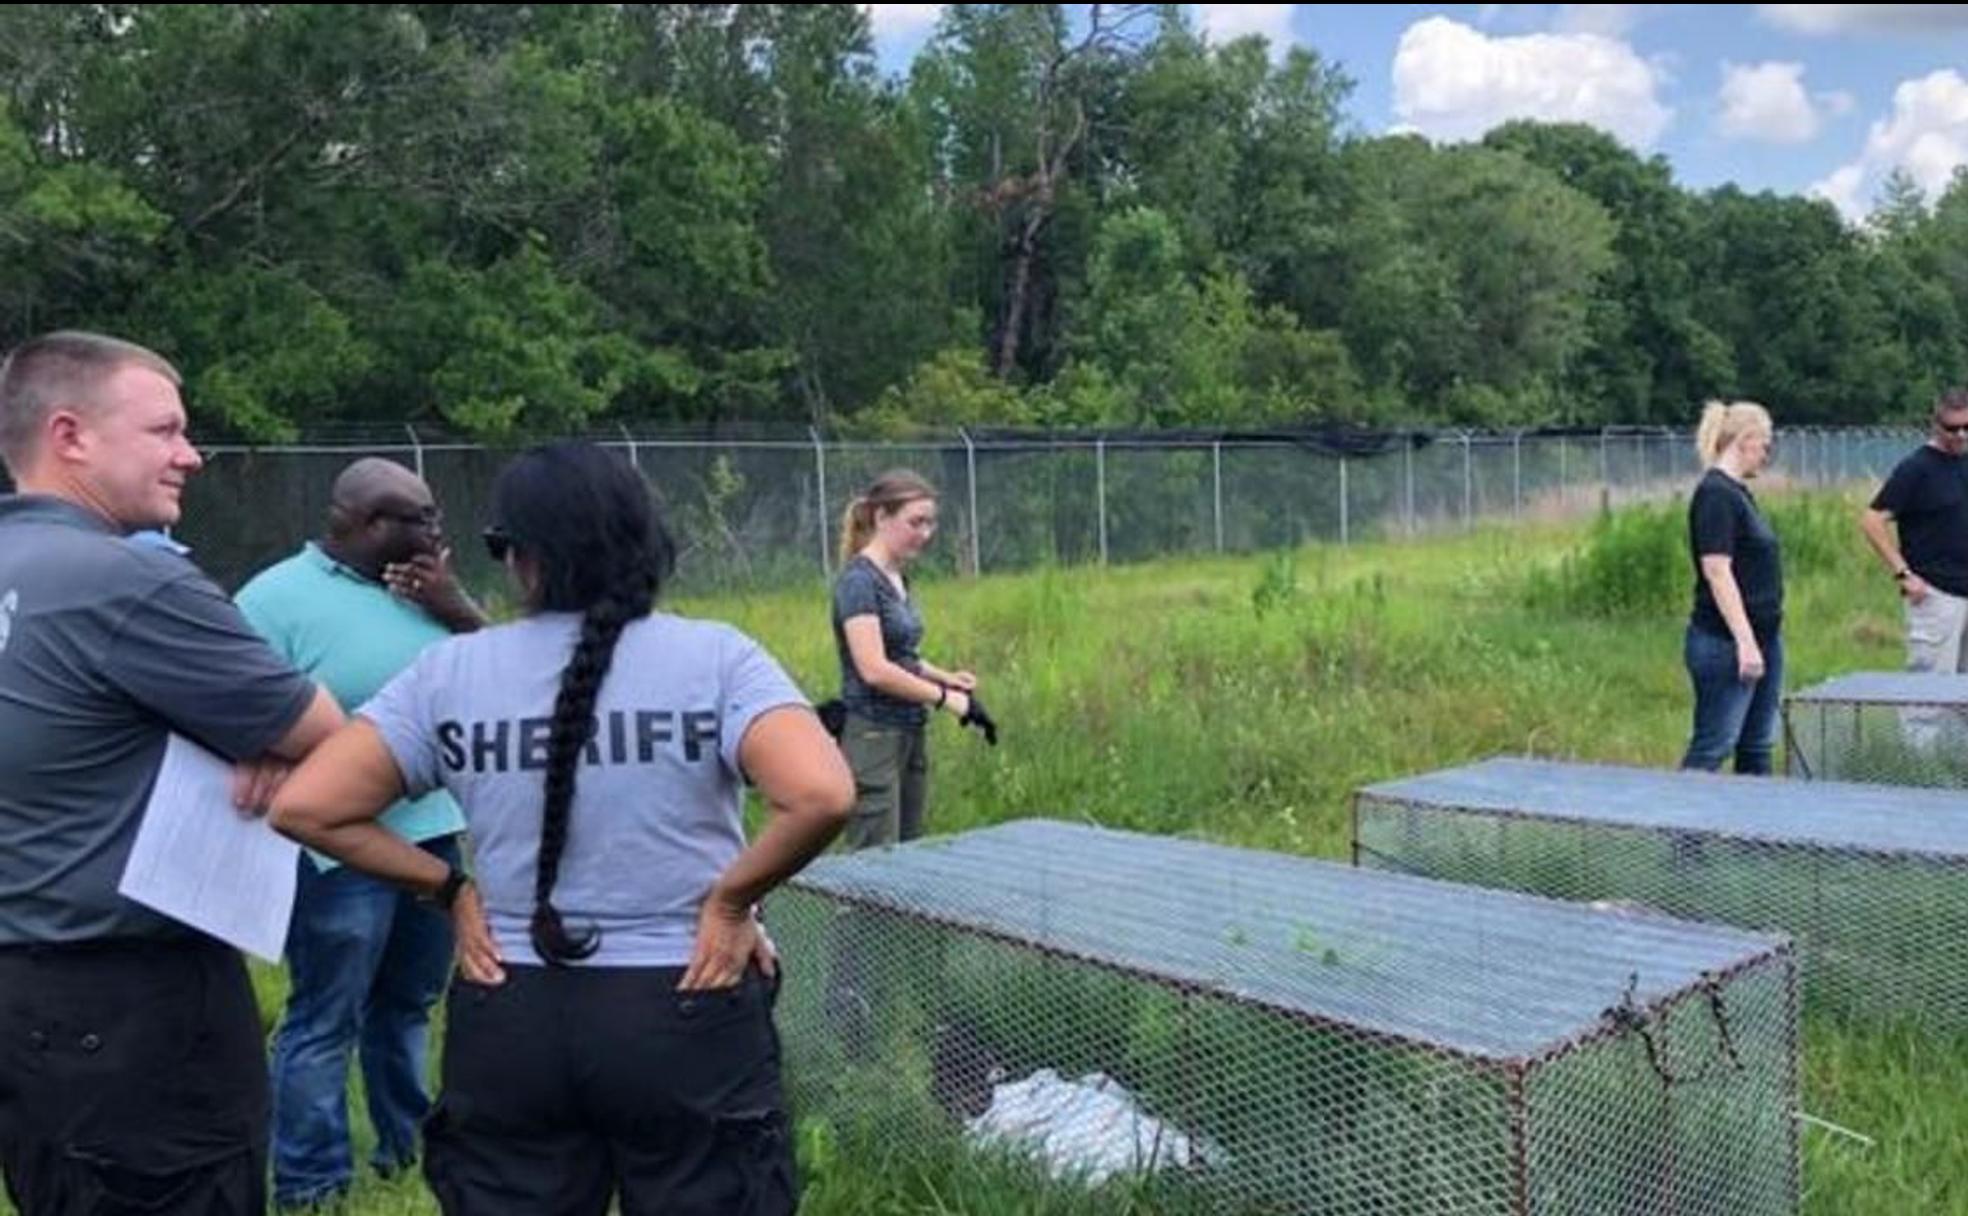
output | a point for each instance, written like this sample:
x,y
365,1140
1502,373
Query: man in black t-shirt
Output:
x,y
1926,501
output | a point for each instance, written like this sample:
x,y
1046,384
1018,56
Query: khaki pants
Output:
x,y
1934,644
891,781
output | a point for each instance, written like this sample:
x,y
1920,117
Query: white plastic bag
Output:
x,y
1090,1128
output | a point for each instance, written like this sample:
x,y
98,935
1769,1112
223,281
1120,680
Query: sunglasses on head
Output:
x,y
497,543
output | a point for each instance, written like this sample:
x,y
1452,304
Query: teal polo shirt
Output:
x,y
348,632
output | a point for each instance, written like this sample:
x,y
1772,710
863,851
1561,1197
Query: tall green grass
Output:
x,y
1243,699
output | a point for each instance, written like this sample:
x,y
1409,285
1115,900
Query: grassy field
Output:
x,y
1241,700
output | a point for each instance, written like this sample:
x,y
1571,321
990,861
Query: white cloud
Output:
x,y
902,20
1766,101
1229,22
1838,103
1454,82
1864,18
1926,135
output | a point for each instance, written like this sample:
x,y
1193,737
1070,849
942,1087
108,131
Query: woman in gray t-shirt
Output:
x,y
610,1035
887,687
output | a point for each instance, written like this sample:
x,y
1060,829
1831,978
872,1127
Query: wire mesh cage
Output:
x,y
1896,727
1870,880
1248,1032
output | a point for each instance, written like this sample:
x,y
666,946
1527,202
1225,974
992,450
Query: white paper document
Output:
x,y
199,861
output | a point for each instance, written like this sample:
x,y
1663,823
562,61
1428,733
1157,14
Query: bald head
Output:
x,y
380,512
372,482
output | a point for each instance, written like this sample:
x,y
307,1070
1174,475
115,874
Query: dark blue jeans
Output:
x,y
368,961
1730,715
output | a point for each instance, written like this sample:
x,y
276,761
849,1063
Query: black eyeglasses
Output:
x,y
1945,429
497,543
430,518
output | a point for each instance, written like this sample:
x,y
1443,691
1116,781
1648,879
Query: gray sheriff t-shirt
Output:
x,y
107,646
657,803
863,590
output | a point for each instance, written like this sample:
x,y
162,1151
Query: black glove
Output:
x,y
833,716
981,718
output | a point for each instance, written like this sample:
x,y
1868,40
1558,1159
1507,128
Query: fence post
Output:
x,y
1343,521
976,525
635,457
1216,461
1408,451
1605,471
820,493
1100,491
1468,481
416,449
1516,475
1564,472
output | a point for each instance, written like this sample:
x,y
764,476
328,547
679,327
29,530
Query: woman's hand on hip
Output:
x,y
728,941
478,954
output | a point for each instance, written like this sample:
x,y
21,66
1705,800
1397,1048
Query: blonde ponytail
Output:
x,y
857,526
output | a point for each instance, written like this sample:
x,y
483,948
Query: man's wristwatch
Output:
x,y
1900,575
447,891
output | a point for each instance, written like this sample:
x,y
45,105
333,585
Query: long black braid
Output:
x,y
583,517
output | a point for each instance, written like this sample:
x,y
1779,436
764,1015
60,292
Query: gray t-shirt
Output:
x,y
862,589
658,798
107,646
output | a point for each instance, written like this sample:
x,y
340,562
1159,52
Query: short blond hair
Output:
x,y
1724,422
66,367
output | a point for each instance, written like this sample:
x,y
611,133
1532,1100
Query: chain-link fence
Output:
x,y
1250,1032
755,513
1895,727
1871,880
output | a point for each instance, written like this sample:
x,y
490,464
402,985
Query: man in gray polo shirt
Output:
x,y
132,1076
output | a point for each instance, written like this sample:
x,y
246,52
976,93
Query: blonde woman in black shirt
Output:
x,y
1734,644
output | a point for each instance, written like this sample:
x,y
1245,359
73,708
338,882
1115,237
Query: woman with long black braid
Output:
x,y
610,1037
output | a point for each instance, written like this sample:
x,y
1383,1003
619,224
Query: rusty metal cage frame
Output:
x,y
1713,1050
1556,829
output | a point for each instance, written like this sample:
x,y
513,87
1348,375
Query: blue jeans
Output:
x,y
367,961
1730,715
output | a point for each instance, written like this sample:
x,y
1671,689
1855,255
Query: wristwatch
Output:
x,y
1899,576
447,891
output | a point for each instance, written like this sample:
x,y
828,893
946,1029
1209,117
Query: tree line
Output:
x,y
514,220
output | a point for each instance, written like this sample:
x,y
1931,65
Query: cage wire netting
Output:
x,y
753,511
1895,727
1250,1032
1870,880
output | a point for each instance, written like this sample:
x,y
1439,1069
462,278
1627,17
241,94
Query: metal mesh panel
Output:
x,y
765,512
1276,497
1302,1037
1715,1114
1901,728
1871,880
1038,505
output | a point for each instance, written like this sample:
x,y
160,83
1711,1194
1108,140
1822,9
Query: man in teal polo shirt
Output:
x,y
366,960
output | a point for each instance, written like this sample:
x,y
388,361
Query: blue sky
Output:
x,y
1803,98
